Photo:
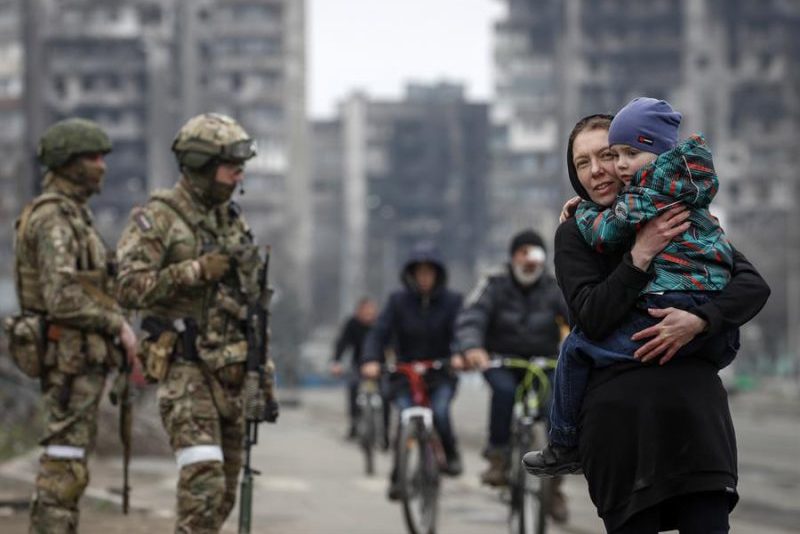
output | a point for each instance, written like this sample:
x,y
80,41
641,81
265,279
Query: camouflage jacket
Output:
x,y
62,271
158,273
699,259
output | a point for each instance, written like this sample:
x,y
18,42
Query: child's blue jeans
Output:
x,y
579,355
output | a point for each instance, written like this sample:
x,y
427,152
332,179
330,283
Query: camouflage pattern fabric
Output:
x,y
61,270
206,489
61,481
157,256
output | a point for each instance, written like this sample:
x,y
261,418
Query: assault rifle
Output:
x,y
259,400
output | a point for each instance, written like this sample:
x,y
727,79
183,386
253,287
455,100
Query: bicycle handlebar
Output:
x,y
419,367
541,363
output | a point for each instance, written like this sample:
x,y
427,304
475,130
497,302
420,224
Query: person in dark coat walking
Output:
x,y
419,320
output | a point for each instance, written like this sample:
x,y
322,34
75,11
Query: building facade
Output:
x,y
411,170
141,68
11,154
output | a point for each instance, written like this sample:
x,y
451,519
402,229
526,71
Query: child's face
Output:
x,y
628,160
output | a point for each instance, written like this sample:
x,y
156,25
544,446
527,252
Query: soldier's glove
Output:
x,y
271,411
214,265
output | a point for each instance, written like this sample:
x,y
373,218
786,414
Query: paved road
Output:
x,y
313,482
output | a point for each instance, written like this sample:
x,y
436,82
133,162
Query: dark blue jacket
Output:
x,y
418,328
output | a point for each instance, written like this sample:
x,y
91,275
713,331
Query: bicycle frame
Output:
x,y
420,452
528,496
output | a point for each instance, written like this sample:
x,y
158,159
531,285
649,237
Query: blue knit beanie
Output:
x,y
647,124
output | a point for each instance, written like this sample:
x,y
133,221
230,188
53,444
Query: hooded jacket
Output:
x,y
419,327
701,259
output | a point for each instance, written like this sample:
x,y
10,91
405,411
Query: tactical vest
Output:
x,y
91,273
217,308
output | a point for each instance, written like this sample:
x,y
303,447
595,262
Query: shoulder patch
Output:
x,y
142,220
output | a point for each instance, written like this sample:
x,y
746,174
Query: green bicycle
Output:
x,y
530,495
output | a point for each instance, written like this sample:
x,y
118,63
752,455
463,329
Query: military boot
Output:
x,y
497,472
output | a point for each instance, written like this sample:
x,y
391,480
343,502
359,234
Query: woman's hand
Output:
x,y
676,329
568,210
657,233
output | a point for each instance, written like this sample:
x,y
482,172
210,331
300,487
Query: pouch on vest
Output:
x,y
26,342
156,354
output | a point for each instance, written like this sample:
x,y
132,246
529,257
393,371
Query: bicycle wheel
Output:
x,y
527,513
367,434
418,474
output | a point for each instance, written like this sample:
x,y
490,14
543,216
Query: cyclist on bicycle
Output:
x,y
352,336
517,311
419,321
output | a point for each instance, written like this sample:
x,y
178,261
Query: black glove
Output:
x,y
271,411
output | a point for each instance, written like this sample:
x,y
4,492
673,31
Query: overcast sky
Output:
x,y
380,45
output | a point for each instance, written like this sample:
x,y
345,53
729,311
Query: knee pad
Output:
x,y
61,482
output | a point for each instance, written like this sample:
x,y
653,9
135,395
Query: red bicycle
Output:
x,y
420,452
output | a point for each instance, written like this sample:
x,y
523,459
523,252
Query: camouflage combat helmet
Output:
x,y
71,137
212,136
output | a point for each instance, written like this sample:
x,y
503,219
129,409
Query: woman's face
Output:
x,y
594,163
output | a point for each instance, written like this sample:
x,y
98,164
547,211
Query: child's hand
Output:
x,y
676,329
657,233
568,210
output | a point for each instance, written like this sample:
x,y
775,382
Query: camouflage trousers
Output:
x,y
208,449
70,407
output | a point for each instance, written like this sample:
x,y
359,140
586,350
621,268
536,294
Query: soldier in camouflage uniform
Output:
x,y
63,280
186,259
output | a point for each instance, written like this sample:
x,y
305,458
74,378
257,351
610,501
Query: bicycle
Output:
x,y
530,496
420,452
369,422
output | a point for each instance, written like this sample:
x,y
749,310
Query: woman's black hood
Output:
x,y
571,170
423,253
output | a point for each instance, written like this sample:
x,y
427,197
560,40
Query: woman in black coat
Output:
x,y
657,442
